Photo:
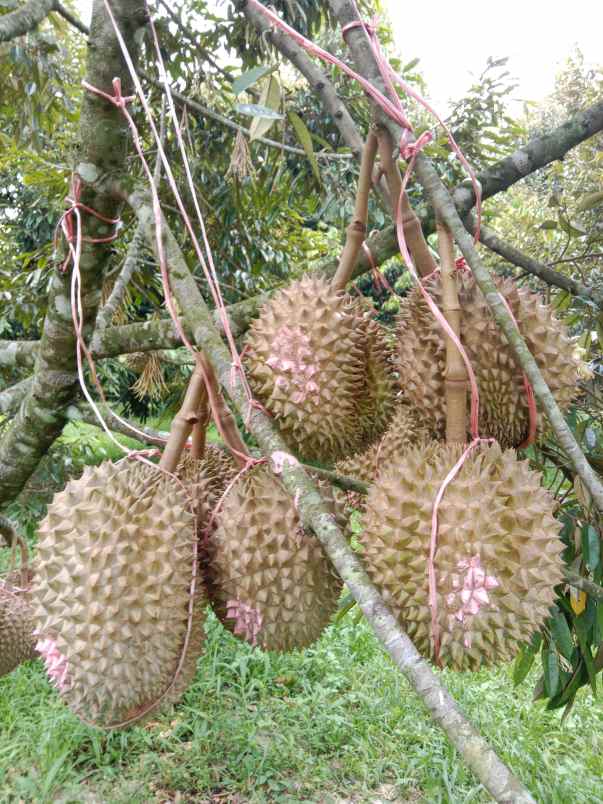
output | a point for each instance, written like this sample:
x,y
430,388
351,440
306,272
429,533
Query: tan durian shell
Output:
x,y
111,590
306,364
17,643
206,480
267,570
495,510
503,401
378,401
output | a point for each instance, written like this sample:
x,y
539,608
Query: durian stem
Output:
x,y
225,421
200,427
455,382
413,232
356,231
341,481
184,420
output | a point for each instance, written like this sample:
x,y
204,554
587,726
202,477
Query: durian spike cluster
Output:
x,y
498,553
17,643
322,368
405,429
112,589
269,580
503,401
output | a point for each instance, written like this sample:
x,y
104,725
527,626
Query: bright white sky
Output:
x,y
454,39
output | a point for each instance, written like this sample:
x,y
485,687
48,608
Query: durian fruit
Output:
x,y
268,579
207,479
498,553
306,364
17,643
378,401
503,401
405,429
111,592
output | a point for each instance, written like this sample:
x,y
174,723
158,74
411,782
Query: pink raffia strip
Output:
x,y
210,273
73,236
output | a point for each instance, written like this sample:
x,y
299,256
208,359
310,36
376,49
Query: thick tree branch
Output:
x,y
315,516
24,19
11,398
532,156
103,137
548,275
444,206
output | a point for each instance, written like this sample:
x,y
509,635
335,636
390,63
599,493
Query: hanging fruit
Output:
x,y
268,579
117,606
503,402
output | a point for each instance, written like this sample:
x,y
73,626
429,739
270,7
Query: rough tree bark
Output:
x,y
102,158
24,19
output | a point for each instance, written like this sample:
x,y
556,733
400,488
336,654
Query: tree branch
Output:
x,y
71,18
24,19
444,206
11,398
152,437
198,108
489,238
532,156
578,582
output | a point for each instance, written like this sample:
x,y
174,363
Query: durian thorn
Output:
x,y
356,231
413,232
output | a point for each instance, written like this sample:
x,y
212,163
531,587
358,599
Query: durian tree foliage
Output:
x,y
276,194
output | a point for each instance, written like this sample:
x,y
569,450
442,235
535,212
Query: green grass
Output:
x,y
335,723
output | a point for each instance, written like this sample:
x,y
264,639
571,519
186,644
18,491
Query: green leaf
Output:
x,y
591,547
582,632
410,65
550,667
271,100
590,200
255,110
305,138
248,79
548,225
523,665
562,635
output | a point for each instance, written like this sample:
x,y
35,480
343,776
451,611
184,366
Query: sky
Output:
x,y
454,39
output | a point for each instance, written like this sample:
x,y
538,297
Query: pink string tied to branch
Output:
x,y
67,224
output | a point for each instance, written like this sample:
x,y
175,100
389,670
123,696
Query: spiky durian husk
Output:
x,y
206,480
111,592
496,528
17,643
306,363
269,580
503,401
378,401
405,429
